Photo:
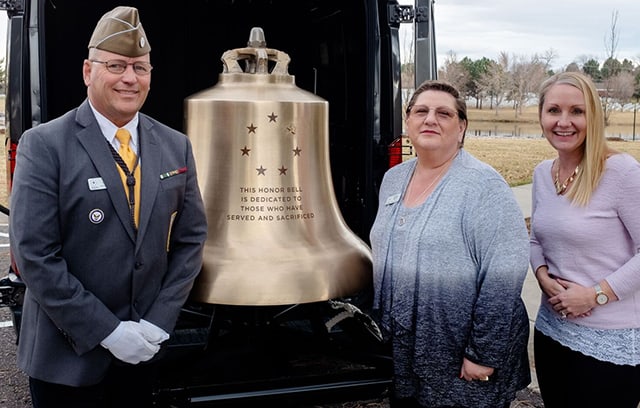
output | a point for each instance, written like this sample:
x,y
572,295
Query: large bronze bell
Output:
x,y
276,234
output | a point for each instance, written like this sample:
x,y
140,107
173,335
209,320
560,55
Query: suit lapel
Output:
x,y
92,140
151,159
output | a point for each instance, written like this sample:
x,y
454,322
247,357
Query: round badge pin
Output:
x,y
96,216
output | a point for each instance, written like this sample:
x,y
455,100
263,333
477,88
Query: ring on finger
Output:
x,y
563,314
486,378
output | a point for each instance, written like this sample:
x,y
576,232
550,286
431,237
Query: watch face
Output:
x,y
602,299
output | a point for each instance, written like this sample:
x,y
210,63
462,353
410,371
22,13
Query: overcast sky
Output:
x,y
573,29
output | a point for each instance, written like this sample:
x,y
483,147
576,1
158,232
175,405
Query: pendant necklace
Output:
x,y
561,188
444,167
429,186
402,219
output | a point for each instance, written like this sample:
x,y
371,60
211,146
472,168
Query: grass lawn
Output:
x,y
515,158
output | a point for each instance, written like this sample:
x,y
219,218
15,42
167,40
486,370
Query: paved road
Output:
x,y
13,383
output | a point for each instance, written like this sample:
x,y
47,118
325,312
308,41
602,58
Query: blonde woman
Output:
x,y
585,244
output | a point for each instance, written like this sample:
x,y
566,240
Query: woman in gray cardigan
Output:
x,y
451,251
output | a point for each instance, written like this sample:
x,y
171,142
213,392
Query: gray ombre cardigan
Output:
x,y
455,286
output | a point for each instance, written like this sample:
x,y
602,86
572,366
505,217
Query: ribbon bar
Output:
x,y
173,173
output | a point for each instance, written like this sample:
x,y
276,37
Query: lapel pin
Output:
x,y
96,216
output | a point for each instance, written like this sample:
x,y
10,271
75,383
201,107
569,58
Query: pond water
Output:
x,y
532,131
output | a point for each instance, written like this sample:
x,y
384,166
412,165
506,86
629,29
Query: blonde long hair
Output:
x,y
595,149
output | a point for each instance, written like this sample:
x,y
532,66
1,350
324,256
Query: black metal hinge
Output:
x,y
401,14
12,5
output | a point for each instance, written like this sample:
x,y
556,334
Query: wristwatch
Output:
x,y
601,297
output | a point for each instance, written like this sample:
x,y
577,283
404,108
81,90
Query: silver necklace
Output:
x,y
424,192
417,199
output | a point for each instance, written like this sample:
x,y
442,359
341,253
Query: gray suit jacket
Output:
x,y
76,249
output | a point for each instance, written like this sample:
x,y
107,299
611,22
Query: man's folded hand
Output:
x,y
127,343
153,333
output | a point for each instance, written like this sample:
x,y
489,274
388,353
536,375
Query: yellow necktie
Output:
x,y
129,158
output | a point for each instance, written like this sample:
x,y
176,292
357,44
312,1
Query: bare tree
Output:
x,y
572,67
406,43
622,87
453,71
407,54
611,40
609,71
548,57
526,77
495,81
3,76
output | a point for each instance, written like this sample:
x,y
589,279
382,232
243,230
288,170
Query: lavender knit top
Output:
x,y
586,245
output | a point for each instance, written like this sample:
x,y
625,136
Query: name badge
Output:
x,y
392,199
96,184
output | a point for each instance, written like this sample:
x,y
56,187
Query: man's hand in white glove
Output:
x,y
152,333
128,344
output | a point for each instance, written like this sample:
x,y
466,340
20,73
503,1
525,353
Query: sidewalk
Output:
x,y
530,291
523,196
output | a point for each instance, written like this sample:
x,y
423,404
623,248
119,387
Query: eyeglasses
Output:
x,y
442,113
118,66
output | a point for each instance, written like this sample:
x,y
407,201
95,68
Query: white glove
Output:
x,y
152,333
128,344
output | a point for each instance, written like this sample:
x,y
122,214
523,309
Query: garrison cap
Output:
x,y
120,31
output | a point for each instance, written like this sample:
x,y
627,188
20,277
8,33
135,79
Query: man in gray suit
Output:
x,y
109,250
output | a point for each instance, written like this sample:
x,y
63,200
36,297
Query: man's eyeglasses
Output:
x,y
442,113
118,66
